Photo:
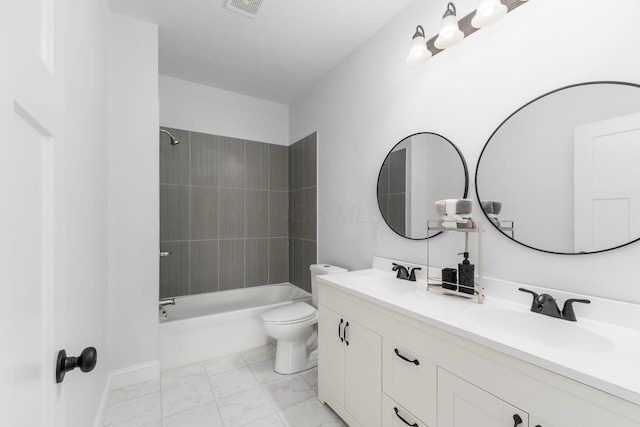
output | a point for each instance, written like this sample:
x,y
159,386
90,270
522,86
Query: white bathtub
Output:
x,y
203,326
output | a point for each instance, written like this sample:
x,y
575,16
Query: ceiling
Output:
x,y
277,55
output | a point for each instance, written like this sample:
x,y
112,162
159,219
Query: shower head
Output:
x,y
173,140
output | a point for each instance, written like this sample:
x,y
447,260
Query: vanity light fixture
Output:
x,y
453,30
450,33
418,51
488,12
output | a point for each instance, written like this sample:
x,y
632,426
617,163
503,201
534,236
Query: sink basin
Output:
x,y
544,330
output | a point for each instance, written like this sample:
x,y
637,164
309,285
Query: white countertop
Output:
x,y
601,355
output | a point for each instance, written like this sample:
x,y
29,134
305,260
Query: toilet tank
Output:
x,y
317,270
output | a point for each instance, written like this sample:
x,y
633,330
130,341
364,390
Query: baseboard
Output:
x,y
124,378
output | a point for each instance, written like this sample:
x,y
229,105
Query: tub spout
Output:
x,y
166,301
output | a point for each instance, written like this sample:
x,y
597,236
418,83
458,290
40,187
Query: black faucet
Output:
x,y
412,276
403,273
546,304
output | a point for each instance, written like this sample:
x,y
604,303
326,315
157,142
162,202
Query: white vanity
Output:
x,y
392,353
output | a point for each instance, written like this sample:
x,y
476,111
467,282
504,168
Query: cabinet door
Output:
x,y
330,357
410,378
362,374
461,404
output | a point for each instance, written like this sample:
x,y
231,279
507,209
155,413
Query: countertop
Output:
x,y
602,355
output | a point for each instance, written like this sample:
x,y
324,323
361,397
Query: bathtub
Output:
x,y
207,325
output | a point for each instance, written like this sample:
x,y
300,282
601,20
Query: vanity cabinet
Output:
x,y
461,404
349,368
457,382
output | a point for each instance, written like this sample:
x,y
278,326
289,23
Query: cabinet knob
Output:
x,y
403,420
517,420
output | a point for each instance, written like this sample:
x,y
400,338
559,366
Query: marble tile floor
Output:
x,y
230,391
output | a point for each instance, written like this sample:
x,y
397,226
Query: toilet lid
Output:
x,y
290,313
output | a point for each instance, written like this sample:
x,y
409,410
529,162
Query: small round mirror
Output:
x,y
418,171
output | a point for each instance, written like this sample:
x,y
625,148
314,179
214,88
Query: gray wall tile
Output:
x,y
278,260
204,266
295,165
296,213
297,262
204,159
396,218
278,167
278,214
174,269
174,212
257,169
257,262
309,257
231,163
383,178
256,204
174,159
309,210
231,213
309,159
398,171
204,213
231,264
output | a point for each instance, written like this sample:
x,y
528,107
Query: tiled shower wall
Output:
x,y
224,213
235,213
303,210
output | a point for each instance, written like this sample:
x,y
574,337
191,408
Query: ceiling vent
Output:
x,y
245,7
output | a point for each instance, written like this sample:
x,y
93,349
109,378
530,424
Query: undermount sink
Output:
x,y
546,331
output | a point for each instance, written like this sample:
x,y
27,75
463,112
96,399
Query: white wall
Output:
x,y
133,192
373,100
191,106
81,168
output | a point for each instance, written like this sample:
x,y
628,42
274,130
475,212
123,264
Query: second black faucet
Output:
x,y
403,273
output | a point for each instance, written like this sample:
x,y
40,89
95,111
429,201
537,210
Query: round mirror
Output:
x,y
420,170
561,173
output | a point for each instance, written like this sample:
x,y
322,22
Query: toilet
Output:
x,y
292,326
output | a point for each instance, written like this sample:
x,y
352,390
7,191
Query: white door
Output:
x,y
607,183
461,404
30,120
362,374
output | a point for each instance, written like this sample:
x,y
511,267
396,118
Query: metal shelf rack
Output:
x,y
467,227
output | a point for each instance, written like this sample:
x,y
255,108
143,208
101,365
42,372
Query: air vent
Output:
x,y
245,7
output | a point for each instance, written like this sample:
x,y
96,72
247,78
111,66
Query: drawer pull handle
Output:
x,y
345,333
340,333
403,420
517,420
414,361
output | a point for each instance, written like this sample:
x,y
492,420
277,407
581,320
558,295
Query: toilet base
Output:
x,y
292,357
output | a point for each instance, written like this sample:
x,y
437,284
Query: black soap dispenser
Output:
x,y
466,275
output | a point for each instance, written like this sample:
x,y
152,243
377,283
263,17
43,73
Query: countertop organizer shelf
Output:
x,y
466,227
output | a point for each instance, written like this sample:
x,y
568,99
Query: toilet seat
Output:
x,y
289,314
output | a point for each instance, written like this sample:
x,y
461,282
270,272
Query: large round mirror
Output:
x,y
561,174
418,171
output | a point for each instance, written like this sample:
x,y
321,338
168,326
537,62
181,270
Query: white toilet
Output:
x,y
292,325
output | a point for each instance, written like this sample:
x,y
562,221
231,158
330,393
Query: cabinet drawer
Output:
x,y
409,377
395,415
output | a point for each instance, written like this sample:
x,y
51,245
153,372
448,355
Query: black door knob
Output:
x,y
86,362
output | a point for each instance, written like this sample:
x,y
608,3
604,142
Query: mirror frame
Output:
x,y
466,180
637,86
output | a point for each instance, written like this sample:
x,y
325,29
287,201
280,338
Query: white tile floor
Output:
x,y
236,390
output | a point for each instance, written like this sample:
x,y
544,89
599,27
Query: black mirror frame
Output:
x,y
466,180
498,128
